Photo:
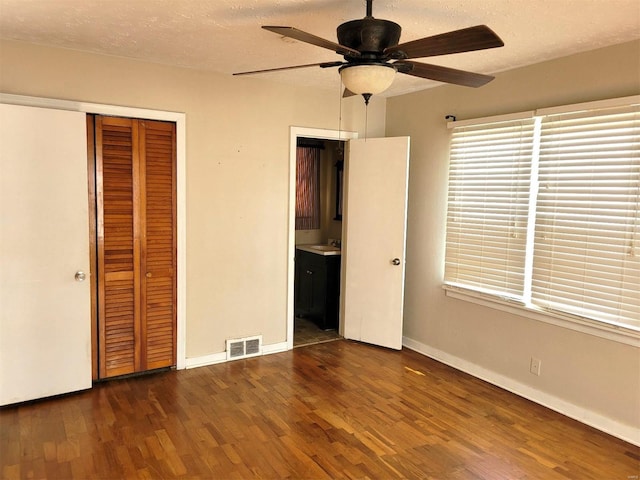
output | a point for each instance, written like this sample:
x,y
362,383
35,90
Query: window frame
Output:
x,y
623,333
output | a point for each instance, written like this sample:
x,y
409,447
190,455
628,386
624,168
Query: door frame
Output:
x,y
294,133
180,121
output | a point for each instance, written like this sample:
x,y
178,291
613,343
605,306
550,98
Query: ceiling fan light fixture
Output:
x,y
371,78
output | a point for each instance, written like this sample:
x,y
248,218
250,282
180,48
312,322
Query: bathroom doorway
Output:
x,y
305,326
318,223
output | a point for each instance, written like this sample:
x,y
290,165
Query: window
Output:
x,y
544,211
307,188
489,182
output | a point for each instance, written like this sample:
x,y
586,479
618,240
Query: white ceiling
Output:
x,y
225,35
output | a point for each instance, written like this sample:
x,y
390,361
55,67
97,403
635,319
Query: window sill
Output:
x,y
618,333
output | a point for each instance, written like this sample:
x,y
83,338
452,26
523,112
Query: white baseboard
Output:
x,y
205,360
620,430
221,357
274,348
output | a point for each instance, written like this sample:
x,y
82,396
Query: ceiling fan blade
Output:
x,y
296,34
321,65
331,64
443,74
469,39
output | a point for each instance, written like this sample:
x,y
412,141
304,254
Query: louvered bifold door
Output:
x,y
136,244
158,285
118,248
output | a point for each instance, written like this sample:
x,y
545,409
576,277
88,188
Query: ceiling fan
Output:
x,y
372,55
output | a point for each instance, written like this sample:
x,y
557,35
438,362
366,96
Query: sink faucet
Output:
x,y
336,243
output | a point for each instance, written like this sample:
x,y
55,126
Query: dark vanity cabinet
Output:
x,y
317,288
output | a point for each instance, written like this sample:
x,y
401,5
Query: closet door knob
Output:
x,y
80,276
149,275
395,261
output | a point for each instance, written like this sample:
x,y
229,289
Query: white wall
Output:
x,y
237,170
594,379
42,246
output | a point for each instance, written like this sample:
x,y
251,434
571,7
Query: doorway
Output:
x,y
305,331
319,166
372,272
134,244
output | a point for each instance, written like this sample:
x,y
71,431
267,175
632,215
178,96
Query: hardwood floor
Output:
x,y
333,410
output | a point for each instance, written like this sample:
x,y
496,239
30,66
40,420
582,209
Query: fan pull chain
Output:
x,y
366,120
340,110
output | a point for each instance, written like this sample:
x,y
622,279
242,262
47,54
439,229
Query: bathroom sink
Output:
x,y
325,248
320,249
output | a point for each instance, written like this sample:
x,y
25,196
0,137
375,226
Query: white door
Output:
x,y
374,237
45,313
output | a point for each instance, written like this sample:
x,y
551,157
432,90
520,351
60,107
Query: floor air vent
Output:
x,y
244,347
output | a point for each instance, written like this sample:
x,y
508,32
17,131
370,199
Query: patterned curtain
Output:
x,y
307,188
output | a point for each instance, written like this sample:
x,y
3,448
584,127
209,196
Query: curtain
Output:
x,y
307,188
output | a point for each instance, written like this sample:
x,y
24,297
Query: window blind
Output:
x,y
547,211
489,182
586,259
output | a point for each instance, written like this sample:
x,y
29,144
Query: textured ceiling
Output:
x,y
225,35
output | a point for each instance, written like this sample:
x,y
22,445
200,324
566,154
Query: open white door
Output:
x,y
45,313
374,238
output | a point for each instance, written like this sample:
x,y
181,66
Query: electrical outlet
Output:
x,y
535,365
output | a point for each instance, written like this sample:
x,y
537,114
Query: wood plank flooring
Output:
x,y
333,410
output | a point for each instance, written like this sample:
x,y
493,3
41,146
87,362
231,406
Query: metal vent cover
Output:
x,y
238,348
252,346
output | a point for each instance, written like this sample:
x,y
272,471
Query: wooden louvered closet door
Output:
x,y
136,244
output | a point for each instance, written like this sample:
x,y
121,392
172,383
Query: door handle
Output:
x,y
395,261
80,276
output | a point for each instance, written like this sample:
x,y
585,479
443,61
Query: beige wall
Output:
x,y
592,375
237,167
237,200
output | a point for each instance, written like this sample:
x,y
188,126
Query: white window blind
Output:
x,y
489,178
547,211
586,256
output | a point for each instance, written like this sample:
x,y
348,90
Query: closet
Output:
x,y
134,235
